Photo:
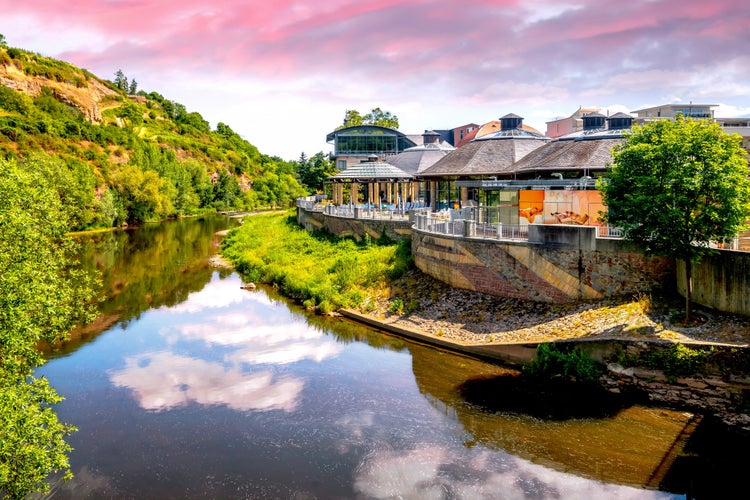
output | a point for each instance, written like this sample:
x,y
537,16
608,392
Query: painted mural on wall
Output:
x,y
579,208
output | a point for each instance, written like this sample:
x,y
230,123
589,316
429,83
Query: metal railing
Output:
x,y
468,222
382,212
608,232
448,222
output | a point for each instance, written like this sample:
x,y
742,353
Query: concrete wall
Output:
x,y
356,228
569,266
720,281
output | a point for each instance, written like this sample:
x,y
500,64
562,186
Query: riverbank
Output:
x,y
641,341
474,318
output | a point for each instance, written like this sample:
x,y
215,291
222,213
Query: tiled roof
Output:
x,y
564,155
486,156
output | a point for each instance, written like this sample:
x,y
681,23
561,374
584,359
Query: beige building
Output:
x,y
573,123
671,110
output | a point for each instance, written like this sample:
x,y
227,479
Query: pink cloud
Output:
x,y
378,38
346,51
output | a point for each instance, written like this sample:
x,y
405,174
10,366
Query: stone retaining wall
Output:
x,y
356,228
558,263
550,267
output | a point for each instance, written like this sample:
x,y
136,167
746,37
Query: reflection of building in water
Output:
x,y
627,448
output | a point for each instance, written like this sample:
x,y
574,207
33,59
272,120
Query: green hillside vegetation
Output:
x,y
117,157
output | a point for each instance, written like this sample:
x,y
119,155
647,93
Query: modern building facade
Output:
x,y
352,145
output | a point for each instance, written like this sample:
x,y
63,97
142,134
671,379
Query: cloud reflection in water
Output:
x,y
163,380
433,471
254,330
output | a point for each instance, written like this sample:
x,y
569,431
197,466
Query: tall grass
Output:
x,y
317,268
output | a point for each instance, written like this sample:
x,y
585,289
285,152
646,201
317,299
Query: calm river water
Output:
x,y
190,387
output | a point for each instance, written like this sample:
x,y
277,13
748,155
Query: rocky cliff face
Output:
x,y
86,98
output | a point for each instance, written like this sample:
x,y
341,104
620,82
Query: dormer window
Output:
x,y
593,121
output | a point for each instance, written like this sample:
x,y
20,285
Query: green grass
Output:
x,y
317,268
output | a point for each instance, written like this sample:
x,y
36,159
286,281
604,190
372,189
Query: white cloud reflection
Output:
x,y
432,471
250,329
253,325
163,380
219,293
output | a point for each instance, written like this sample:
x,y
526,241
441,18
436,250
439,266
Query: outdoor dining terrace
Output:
x,y
468,222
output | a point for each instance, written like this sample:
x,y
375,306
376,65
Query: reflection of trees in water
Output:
x,y
624,448
150,266
343,330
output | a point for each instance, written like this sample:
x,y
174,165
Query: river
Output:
x,y
190,387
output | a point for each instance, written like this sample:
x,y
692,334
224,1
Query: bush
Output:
x,y
573,363
677,360
397,306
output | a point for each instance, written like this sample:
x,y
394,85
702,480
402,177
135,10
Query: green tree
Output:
x,y
42,297
313,171
133,87
121,81
225,192
381,118
675,186
142,194
74,182
352,118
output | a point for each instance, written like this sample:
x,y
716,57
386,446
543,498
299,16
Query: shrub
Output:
x,y
551,360
397,306
677,360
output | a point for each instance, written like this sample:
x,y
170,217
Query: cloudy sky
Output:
x,y
281,73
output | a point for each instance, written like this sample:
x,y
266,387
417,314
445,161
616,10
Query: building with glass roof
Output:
x,y
352,145
554,184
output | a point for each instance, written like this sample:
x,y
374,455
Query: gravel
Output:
x,y
436,308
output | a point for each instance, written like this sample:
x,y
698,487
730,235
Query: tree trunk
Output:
x,y
688,290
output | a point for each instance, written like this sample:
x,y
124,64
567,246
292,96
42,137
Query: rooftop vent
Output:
x,y
430,137
510,122
620,121
593,121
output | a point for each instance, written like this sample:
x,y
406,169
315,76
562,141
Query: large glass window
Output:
x,y
447,195
366,144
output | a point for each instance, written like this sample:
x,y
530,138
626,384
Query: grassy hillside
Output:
x,y
118,157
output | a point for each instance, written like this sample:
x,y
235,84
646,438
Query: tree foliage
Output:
x,y
313,171
99,166
352,118
41,298
121,81
676,186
